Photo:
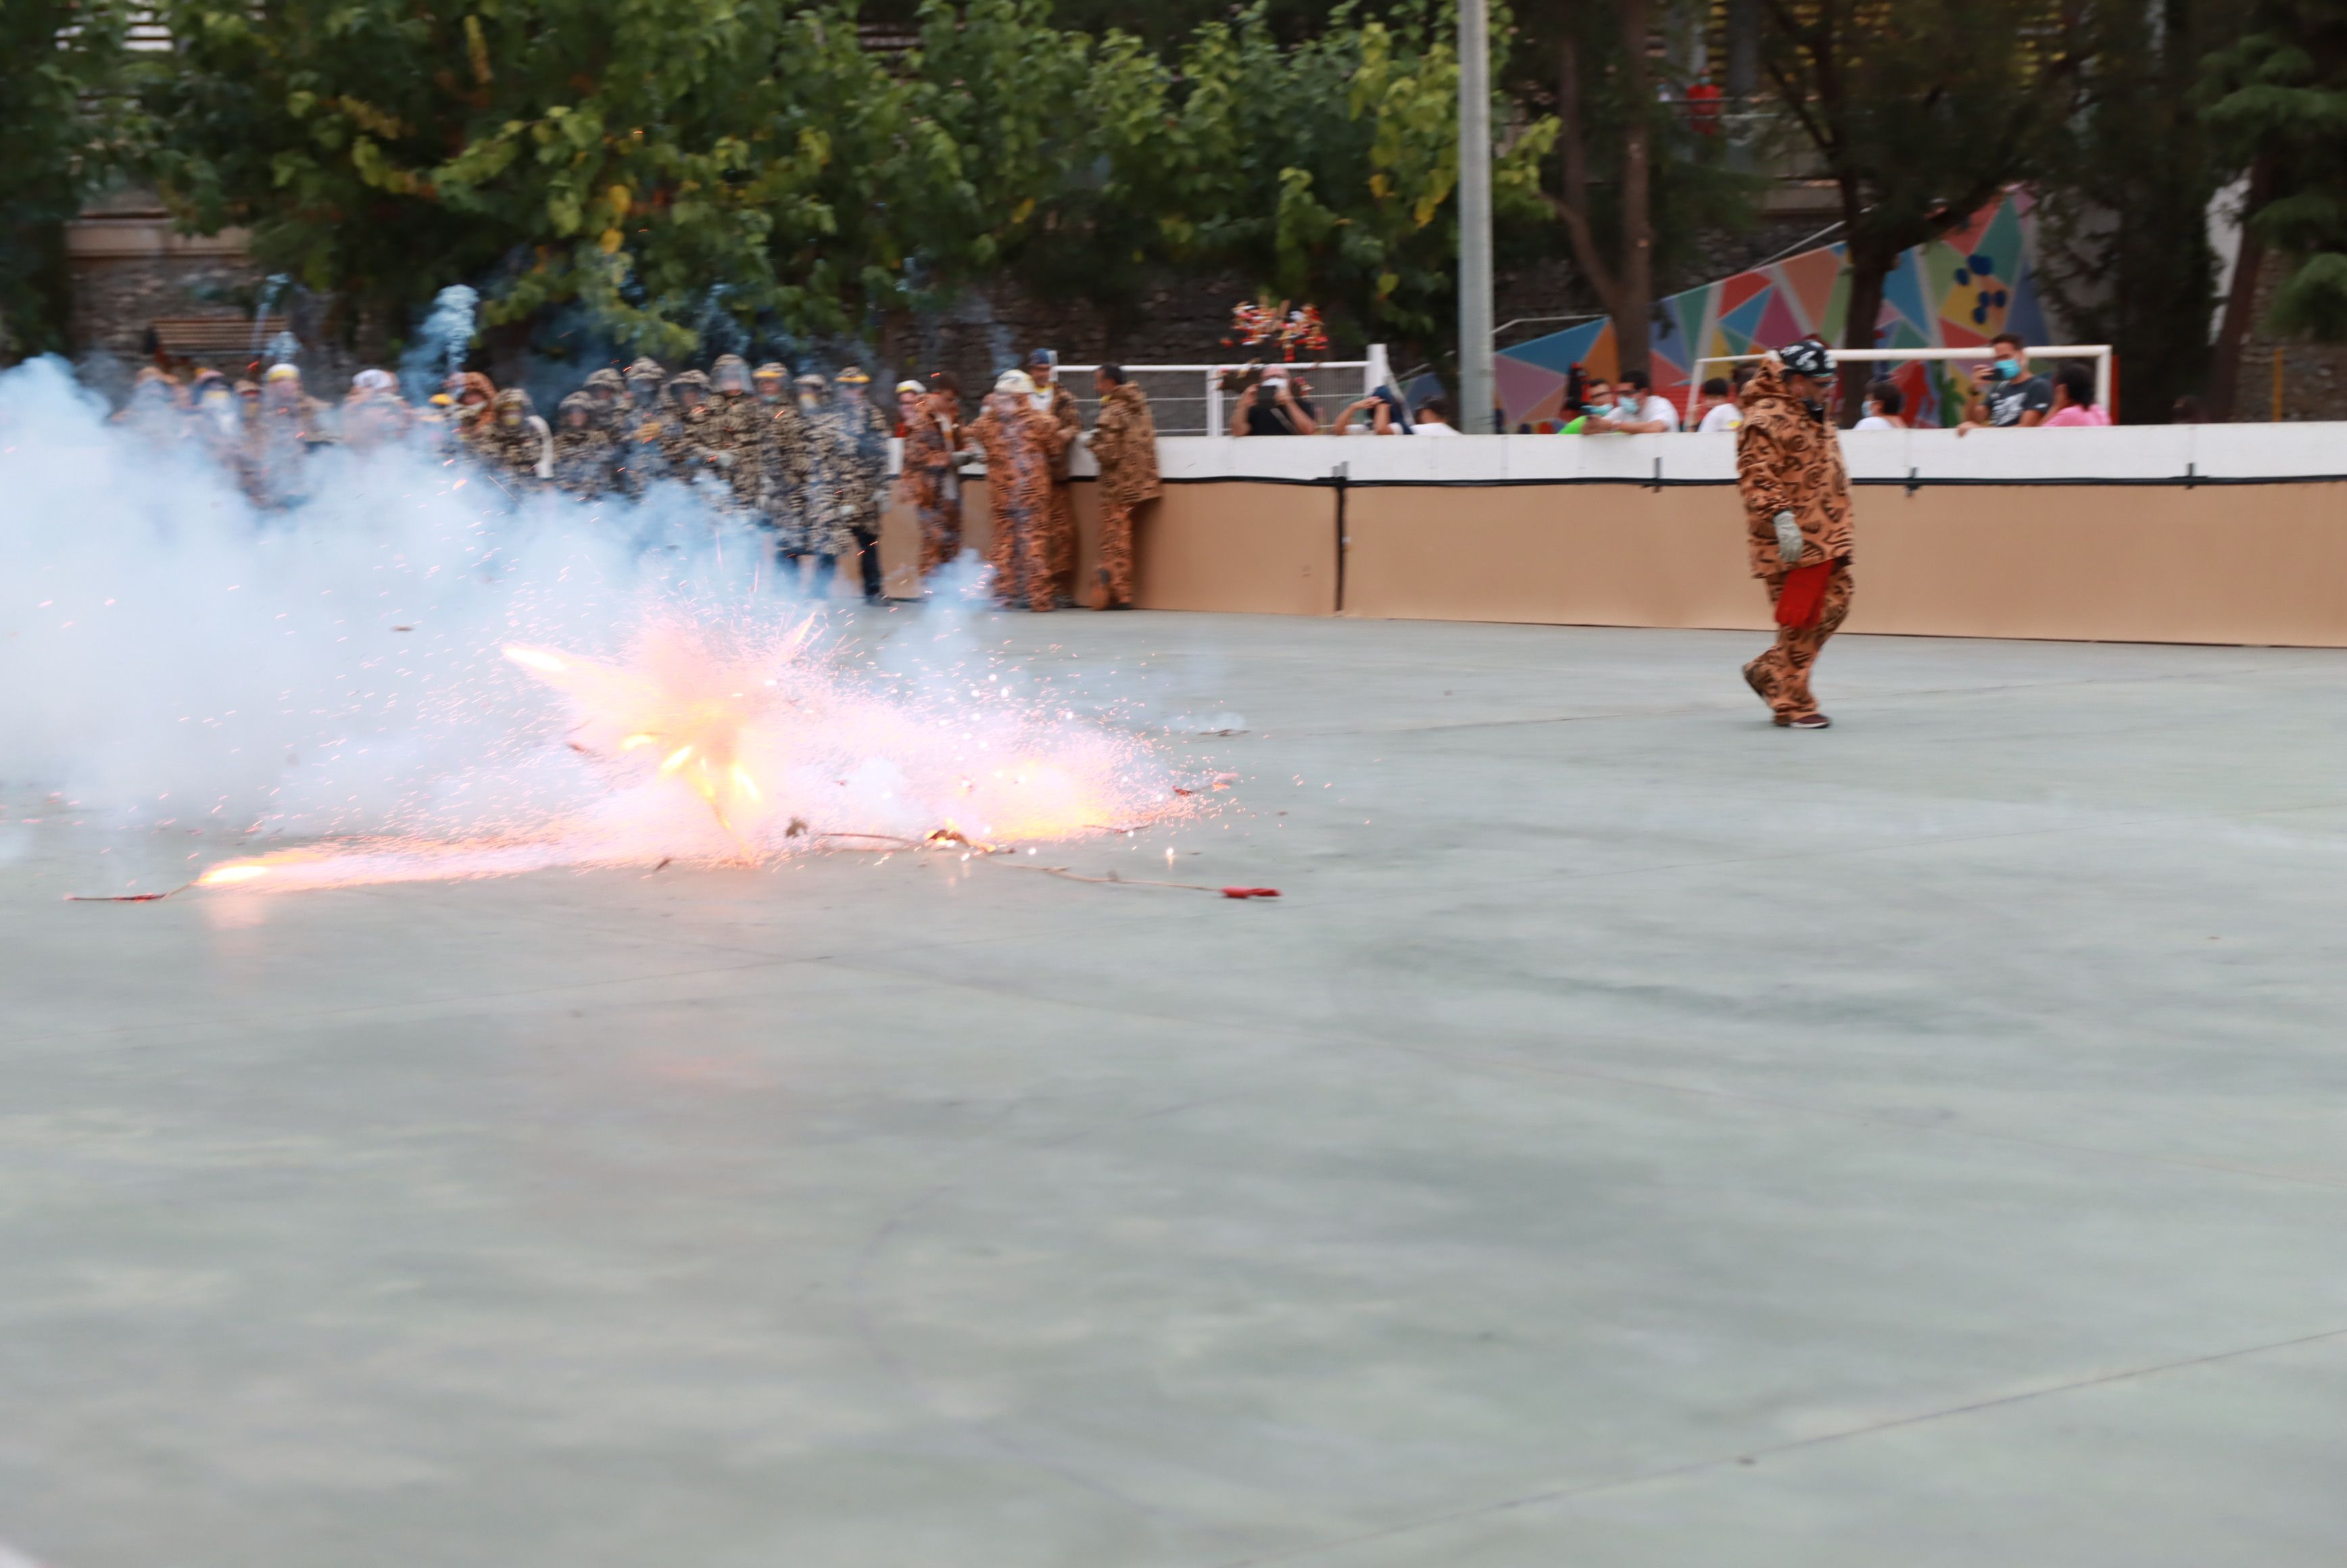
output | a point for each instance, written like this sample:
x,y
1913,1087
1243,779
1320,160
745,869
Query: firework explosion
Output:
x,y
399,682
731,746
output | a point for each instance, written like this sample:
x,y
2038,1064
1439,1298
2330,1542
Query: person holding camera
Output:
x,y
1275,405
1379,413
2005,395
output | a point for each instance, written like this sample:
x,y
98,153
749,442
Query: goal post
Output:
x,y
1188,399
2101,355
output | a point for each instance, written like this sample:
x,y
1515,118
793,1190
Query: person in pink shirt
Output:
x,y
2074,398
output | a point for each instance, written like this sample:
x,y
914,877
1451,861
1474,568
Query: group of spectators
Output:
x,y
805,459
2004,392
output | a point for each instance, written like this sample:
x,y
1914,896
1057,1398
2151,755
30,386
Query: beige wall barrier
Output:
x,y
2207,534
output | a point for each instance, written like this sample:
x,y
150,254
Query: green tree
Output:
x,y
2277,102
626,154
1920,114
1323,170
2122,226
59,60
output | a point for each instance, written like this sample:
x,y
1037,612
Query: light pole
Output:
x,y
1475,393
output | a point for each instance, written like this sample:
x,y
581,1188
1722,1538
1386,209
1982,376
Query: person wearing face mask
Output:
x,y
211,410
582,449
156,409
607,394
518,449
1883,403
783,455
1020,441
647,427
1796,510
1057,403
732,434
470,393
683,455
286,428
373,414
814,526
859,438
2004,394
930,485
1124,443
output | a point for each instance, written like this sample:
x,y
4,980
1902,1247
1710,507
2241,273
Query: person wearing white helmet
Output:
x,y
930,485
1797,512
1055,401
1020,442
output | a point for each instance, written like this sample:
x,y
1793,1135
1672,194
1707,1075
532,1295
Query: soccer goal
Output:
x,y
2099,355
1189,400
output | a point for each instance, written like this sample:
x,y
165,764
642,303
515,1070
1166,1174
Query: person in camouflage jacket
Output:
x,y
851,439
583,449
648,425
732,434
1124,443
607,390
517,448
782,462
814,527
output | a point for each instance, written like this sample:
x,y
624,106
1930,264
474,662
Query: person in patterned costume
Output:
x,y
1020,442
582,449
1059,404
932,487
1798,522
470,393
1124,443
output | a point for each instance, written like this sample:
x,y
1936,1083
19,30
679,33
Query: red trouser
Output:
x,y
1781,676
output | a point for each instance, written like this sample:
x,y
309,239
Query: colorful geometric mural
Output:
x,y
1951,293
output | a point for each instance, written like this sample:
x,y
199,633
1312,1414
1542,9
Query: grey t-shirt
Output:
x,y
2009,400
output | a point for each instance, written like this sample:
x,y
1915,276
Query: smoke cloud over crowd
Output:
x,y
372,661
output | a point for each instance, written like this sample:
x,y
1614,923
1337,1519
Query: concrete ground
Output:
x,y
1638,1137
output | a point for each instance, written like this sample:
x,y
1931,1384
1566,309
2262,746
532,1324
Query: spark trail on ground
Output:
x,y
718,745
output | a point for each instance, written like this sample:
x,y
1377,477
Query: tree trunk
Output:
x,y
2241,300
1573,152
1867,278
1634,311
1870,265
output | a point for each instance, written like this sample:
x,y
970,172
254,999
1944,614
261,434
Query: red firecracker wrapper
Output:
x,y
1250,892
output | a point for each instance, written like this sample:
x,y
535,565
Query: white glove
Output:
x,y
1788,538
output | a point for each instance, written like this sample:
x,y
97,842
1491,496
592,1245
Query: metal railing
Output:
x,y
1205,412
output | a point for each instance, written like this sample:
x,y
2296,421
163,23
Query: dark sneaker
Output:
x,y
1808,722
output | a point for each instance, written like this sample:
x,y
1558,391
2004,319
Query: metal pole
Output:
x,y
1475,391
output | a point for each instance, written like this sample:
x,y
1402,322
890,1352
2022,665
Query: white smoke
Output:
x,y
172,654
441,343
